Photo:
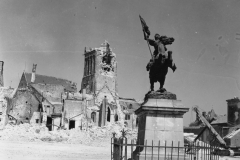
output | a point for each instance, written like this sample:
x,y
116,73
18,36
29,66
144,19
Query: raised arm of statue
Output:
x,y
151,42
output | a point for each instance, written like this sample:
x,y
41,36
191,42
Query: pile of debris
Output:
x,y
189,138
98,136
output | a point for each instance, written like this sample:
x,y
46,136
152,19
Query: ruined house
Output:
x,y
100,81
5,94
39,99
76,113
223,124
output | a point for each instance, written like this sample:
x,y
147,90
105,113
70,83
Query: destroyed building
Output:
x,y
223,124
6,94
100,80
56,102
39,98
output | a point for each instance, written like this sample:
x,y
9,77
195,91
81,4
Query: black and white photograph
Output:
x,y
119,79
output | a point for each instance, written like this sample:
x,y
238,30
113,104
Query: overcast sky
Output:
x,y
53,34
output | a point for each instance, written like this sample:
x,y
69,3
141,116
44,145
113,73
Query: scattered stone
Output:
x,y
97,136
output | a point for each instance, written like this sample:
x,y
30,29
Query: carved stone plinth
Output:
x,y
160,119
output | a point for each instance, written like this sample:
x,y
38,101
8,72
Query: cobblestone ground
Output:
x,y
18,150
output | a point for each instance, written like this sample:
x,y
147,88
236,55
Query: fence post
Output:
x,y
117,148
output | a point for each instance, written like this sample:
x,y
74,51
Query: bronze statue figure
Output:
x,y
161,59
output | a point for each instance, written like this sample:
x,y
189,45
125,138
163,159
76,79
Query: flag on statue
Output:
x,y
144,25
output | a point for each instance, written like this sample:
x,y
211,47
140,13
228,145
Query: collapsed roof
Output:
x,y
42,79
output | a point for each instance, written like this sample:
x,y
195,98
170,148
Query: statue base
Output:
x,y
160,120
160,95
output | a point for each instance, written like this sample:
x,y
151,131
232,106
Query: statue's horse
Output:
x,y
158,69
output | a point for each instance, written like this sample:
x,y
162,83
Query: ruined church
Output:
x,y
100,80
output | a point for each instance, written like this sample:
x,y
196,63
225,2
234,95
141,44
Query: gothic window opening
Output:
x,y
85,68
127,116
93,64
88,70
108,114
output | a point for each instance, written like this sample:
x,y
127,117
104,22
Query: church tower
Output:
x,y
100,73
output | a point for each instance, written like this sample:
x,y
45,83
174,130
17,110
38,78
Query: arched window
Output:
x,y
93,116
127,116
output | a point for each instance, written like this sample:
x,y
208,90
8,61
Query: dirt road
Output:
x,y
51,151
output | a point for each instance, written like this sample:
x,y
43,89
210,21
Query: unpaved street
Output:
x,y
51,151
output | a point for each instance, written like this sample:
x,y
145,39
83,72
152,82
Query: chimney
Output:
x,y
1,74
33,73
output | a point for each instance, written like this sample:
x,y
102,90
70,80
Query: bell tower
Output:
x,y
100,72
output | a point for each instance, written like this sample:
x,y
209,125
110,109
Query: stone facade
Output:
x,y
5,96
74,113
100,77
160,119
39,99
100,80
24,104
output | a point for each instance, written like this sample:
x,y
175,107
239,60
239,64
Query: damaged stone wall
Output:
x,y
73,108
74,111
50,91
23,105
6,95
100,68
106,74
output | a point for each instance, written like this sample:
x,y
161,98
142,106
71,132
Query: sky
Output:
x,y
54,33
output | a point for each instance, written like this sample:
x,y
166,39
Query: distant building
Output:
x,y
223,124
233,111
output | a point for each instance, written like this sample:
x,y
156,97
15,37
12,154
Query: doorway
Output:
x,y
71,124
49,123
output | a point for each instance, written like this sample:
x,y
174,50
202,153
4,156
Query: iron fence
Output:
x,y
124,149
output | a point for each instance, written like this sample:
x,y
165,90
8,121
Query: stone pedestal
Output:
x,y
160,119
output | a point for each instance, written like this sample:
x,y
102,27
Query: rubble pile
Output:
x,y
98,136
189,137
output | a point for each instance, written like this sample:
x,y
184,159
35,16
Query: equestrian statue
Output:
x,y
161,59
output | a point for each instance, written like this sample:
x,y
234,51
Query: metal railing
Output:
x,y
124,149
